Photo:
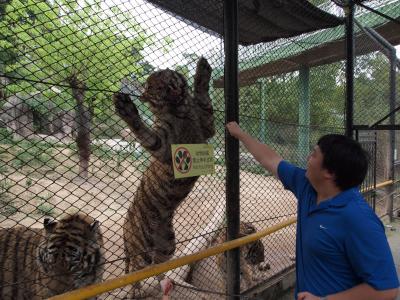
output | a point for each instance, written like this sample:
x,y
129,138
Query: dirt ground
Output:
x,y
107,193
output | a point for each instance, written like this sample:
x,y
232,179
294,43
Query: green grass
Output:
x,y
7,207
35,157
45,209
5,136
31,154
3,167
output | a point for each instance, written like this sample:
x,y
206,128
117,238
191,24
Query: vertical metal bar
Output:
x,y
349,10
392,104
304,116
390,52
232,144
263,110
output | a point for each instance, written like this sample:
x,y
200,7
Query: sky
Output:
x,y
185,38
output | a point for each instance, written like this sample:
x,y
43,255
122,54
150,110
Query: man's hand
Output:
x,y
307,296
265,155
234,129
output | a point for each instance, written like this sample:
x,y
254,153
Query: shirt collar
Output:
x,y
340,200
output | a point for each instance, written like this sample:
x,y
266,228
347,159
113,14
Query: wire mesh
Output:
x,y
372,100
64,149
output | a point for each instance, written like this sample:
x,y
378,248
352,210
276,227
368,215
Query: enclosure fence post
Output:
x,y
392,120
349,10
232,144
304,115
263,110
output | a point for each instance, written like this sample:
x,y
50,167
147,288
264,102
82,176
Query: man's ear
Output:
x,y
329,175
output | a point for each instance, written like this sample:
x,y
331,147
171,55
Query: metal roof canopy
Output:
x,y
324,53
258,20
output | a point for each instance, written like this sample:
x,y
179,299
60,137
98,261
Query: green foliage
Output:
x,y
188,67
327,88
167,43
371,90
318,2
50,40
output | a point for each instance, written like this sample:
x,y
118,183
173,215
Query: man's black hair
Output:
x,y
345,158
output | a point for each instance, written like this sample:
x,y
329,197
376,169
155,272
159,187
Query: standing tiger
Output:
x,y
39,263
179,118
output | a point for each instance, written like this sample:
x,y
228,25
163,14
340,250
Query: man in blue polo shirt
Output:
x,y
341,248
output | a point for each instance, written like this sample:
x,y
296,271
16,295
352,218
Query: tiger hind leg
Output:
x,y
202,97
202,79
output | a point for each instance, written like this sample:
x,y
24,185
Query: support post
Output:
x,y
349,10
232,144
304,116
263,110
392,120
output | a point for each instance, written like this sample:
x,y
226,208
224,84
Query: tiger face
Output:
x,y
252,257
71,245
165,88
254,252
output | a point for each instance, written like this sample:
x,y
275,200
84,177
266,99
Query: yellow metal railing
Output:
x,y
153,270
378,186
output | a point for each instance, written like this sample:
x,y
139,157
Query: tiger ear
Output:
x,y
95,226
49,224
249,228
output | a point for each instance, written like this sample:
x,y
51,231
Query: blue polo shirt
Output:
x,y
340,243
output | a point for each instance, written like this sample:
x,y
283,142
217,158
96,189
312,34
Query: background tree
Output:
x,y
84,118
52,42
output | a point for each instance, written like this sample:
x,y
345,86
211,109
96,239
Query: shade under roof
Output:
x,y
258,20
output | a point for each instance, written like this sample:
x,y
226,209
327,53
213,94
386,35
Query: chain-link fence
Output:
x,y
65,150
375,74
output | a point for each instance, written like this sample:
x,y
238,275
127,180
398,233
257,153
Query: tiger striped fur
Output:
x,y
179,118
39,263
252,257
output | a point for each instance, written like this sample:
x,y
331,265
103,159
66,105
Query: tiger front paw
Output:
x,y
264,266
125,108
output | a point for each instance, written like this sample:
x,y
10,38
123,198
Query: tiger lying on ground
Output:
x,y
39,263
179,118
252,256
211,273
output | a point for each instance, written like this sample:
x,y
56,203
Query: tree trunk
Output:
x,y
83,123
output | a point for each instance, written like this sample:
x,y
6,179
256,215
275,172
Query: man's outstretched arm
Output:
x,y
267,157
